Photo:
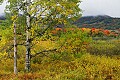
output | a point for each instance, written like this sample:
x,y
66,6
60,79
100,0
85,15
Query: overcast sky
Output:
x,y
94,7
98,7
2,7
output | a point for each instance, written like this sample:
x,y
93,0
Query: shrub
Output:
x,y
108,48
74,41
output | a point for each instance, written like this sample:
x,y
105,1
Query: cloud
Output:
x,y
101,7
2,7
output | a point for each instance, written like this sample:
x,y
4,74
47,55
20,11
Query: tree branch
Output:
x,y
42,52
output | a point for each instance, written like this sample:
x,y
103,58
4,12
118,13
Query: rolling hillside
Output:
x,y
101,21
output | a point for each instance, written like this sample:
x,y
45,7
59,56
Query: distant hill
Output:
x,y
100,21
2,16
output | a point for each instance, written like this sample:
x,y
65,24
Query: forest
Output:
x,y
50,40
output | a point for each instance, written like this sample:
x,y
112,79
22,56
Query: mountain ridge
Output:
x,y
99,21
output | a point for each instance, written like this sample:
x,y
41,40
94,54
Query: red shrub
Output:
x,y
58,29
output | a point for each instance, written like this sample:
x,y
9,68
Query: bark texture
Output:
x,y
15,50
28,39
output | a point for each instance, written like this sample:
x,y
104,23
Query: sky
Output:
x,y
2,8
94,7
101,7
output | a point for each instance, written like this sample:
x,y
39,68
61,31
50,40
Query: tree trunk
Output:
x,y
15,50
28,39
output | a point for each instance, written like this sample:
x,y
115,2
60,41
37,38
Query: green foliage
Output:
x,y
58,12
108,47
63,56
6,37
1,1
6,34
74,41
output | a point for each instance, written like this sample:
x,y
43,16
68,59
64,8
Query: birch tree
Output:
x,y
28,36
15,50
43,14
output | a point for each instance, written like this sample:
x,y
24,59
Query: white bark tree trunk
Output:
x,y
15,50
28,39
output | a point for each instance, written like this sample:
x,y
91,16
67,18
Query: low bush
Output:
x,y
87,67
107,47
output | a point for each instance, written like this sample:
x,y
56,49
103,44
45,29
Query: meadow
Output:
x,y
44,40
80,58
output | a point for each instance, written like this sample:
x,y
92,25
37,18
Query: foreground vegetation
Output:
x,y
69,67
63,54
77,57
